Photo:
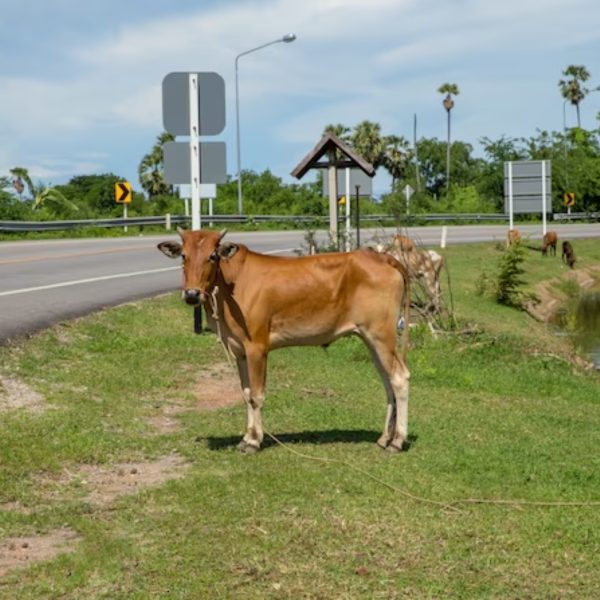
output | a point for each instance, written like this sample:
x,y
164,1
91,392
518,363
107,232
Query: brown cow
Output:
x,y
514,237
403,243
550,240
568,254
256,303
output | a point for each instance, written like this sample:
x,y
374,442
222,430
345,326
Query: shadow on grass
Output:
x,y
331,436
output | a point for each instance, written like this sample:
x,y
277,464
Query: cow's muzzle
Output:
x,y
192,296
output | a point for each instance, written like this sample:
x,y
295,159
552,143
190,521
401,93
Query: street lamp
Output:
x,y
287,38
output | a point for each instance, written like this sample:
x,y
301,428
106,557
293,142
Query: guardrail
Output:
x,y
168,220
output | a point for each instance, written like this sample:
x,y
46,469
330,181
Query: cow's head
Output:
x,y
200,252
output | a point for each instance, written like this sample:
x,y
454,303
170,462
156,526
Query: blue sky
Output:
x,y
80,80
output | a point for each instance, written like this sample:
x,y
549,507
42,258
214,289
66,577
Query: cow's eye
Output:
x,y
213,256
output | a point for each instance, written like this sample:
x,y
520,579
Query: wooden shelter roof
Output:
x,y
327,147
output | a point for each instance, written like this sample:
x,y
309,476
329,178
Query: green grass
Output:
x,y
496,414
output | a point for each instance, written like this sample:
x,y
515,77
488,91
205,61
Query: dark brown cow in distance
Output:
x,y
550,240
257,303
568,254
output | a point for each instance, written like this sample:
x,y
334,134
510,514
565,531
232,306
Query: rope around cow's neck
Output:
x,y
212,299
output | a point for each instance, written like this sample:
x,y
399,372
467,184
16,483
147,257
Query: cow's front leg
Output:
x,y
253,390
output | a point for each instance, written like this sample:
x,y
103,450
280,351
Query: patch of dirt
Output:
x,y
218,386
16,394
106,483
19,552
164,425
15,507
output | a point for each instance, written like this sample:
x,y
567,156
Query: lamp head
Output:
x,y
288,37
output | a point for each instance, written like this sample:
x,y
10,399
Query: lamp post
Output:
x,y
287,38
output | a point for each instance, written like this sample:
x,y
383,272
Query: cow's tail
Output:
x,y
406,316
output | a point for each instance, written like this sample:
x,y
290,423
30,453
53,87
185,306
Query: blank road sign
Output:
x,y
176,103
176,160
528,186
357,177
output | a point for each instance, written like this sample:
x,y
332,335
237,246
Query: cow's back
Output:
x,y
314,299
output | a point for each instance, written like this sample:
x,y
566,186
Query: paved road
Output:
x,y
44,282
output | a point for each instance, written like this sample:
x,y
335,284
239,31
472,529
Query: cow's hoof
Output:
x,y
246,448
383,442
393,448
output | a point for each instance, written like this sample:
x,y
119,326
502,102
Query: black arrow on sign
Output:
x,y
124,192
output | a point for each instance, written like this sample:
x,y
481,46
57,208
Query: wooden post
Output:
x,y
333,207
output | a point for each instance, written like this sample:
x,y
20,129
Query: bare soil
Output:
x,y
218,387
18,552
16,394
106,483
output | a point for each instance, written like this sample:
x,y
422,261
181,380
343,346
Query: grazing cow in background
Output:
x,y
568,255
257,303
514,237
550,240
424,267
403,243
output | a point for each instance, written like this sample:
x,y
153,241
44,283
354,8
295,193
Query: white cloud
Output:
x,y
380,60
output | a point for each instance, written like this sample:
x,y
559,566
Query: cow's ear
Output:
x,y
227,250
170,249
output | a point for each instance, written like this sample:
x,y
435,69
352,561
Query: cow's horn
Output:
x,y
180,231
222,233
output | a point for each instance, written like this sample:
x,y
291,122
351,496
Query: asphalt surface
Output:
x,y
45,282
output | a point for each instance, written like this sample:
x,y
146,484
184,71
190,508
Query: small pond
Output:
x,y
587,325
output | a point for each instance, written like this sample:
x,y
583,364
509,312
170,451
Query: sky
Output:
x,y
80,80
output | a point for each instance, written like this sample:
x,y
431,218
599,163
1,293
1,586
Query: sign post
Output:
x,y
527,185
569,201
123,196
408,192
194,106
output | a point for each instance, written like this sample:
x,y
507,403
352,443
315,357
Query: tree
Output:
x,y
497,152
395,156
339,130
449,89
21,175
95,192
367,141
151,170
56,202
572,89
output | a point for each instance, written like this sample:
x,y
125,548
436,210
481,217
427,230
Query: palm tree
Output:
x,y
395,156
151,171
340,131
449,89
22,179
571,89
367,141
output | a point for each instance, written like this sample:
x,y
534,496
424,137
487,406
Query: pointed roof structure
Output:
x,y
326,147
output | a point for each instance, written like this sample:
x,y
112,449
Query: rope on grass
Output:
x,y
450,504
362,472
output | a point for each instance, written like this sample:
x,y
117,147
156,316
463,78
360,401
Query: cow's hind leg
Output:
x,y
253,370
395,377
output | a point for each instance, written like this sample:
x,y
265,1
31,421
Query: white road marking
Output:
x,y
80,281
106,278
